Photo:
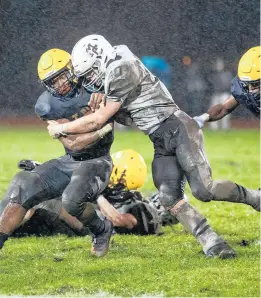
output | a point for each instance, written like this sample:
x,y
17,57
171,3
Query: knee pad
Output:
x,y
202,194
75,196
169,196
74,207
27,189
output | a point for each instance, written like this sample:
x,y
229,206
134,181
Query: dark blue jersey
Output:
x,y
49,107
243,96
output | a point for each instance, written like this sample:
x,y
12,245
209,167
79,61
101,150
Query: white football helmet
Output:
x,y
89,58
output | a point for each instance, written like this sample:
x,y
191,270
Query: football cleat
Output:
x,y
222,251
101,242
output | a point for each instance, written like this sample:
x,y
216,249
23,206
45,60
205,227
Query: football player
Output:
x,y
118,201
129,173
178,141
245,89
81,174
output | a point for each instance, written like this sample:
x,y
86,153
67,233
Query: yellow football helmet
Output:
x,y
249,66
129,169
56,64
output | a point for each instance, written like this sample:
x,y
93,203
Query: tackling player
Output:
x,y
178,141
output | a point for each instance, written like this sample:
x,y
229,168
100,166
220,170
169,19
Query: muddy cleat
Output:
x,y
101,242
221,250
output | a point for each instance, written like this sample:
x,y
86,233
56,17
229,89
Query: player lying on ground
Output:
x,y
245,89
81,174
178,141
50,218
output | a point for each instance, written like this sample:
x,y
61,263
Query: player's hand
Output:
x,y
126,220
200,121
55,129
28,165
97,101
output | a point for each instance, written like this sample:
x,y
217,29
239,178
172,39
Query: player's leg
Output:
x,y
170,180
24,188
28,189
191,156
87,182
58,220
3,203
44,223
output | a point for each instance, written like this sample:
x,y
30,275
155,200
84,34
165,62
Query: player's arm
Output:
x,y
217,111
81,141
221,110
122,80
86,123
118,219
70,220
27,216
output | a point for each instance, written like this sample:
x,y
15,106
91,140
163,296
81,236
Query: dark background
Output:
x,y
204,30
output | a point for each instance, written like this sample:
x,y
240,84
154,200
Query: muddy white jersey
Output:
x,y
143,97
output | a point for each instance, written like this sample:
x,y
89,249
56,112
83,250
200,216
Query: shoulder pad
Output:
x,y
122,79
43,106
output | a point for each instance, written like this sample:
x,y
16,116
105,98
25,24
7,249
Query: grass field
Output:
x,y
169,265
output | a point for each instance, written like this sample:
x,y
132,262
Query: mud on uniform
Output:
x,y
77,176
148,219
46,222
177,139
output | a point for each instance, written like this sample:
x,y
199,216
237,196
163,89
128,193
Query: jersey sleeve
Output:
x,y
43,107
237,90
123,118
121,81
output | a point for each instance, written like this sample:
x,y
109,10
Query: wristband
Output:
x,y
103,131
205,117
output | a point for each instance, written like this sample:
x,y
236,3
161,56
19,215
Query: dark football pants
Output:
x,y
179,153
44,223
77,182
